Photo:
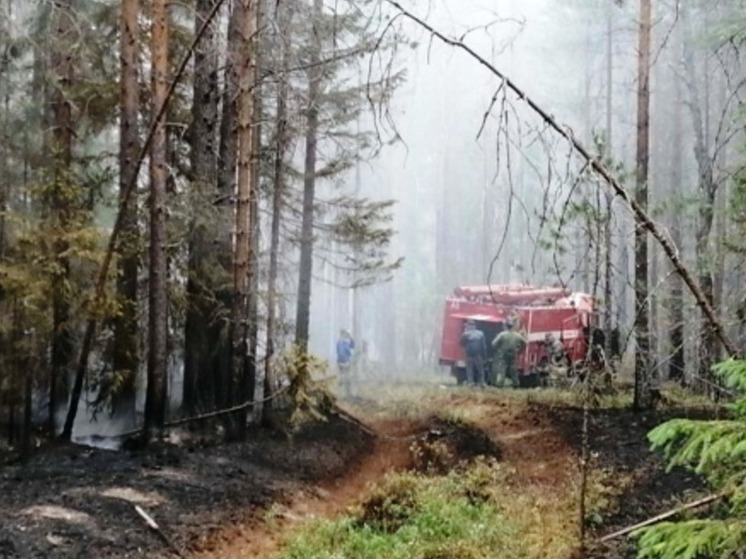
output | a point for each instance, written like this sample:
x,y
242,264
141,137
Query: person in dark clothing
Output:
x,y
506,347
475,349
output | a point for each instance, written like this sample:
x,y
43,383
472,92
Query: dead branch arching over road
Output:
x,y
668,248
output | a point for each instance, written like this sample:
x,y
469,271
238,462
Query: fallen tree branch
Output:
x,y
90,329
669,249
347,416
153,525
208,415
663,516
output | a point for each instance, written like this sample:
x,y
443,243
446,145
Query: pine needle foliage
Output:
x,y
715,449
308,395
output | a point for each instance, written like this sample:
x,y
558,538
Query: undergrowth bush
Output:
x,y
715,449
413,516
469,514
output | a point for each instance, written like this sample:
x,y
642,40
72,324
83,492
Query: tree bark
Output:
x,y
609,198
5,145
125,358
248,386
203,308
217,387
643,390
155,401
707,189
282,141
676,365
303,310
103,273
62,201
246,29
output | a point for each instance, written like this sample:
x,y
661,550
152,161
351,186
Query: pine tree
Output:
x,y
61,201
155,402
203,307
715,449
643,391
125,358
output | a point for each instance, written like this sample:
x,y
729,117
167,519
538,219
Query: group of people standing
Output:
x,y
505,349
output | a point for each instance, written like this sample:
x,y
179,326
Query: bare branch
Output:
x,y
670,250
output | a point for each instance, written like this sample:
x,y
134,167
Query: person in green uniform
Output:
x,y
505,347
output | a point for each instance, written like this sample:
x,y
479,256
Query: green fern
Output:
x,y
716,450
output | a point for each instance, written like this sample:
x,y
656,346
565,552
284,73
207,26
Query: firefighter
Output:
x,y
475,349
554,348
506,346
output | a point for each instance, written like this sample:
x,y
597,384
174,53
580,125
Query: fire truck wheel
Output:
x,y
530,380
459,373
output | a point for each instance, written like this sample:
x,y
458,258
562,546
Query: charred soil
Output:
x,y
235,500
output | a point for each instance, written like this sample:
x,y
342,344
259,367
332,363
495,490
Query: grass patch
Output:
x,y
477,513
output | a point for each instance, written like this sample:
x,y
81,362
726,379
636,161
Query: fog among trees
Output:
x,y
197,198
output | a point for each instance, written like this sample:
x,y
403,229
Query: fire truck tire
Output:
x,y
459,373
530,380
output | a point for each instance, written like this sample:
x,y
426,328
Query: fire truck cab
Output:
x,y
535,312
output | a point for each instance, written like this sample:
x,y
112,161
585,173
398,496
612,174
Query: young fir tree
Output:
x,y
715,449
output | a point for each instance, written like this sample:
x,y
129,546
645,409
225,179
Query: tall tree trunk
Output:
x,y
248,386
125,357
282,141
155,401
721,212
62,201
707,189
5,92
676,364
246,22
217,387
609,198
303,311
643,390
202,307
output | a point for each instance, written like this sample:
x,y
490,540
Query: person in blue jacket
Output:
x,y
345,350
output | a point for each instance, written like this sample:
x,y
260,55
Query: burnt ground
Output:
x,y
212,501
618,444
75,501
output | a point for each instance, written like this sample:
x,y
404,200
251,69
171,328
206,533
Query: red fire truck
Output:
x,y
535,312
